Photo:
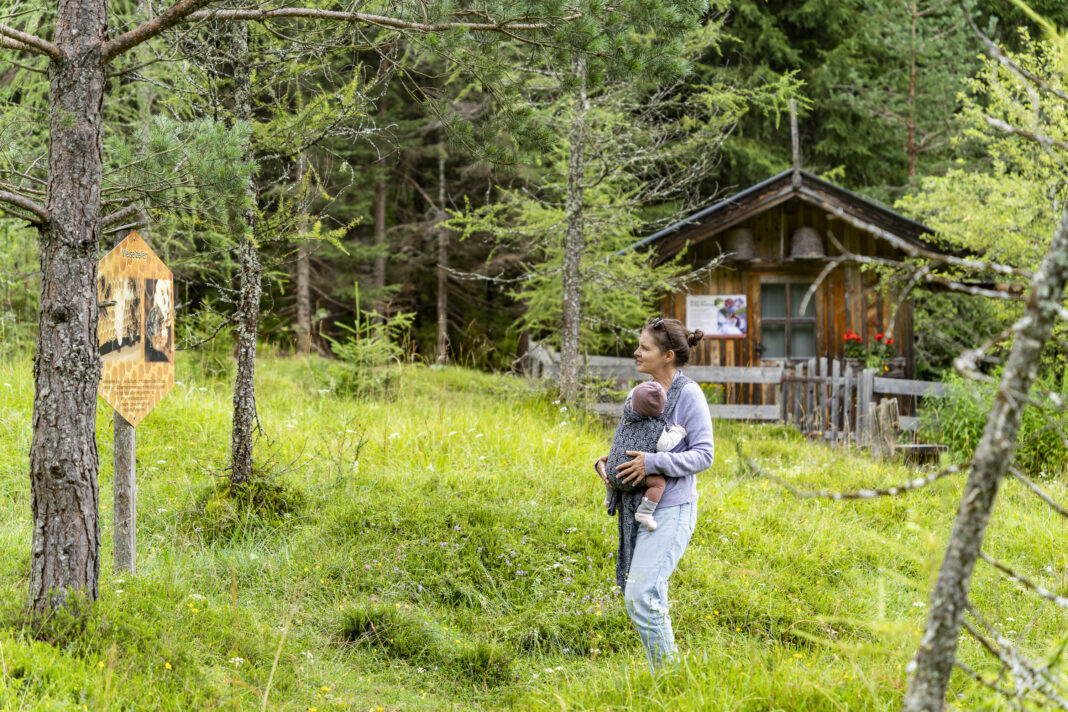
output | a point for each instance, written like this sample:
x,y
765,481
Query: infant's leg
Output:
x,y
656,485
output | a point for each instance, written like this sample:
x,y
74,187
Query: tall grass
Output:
x,y
447,549
958,420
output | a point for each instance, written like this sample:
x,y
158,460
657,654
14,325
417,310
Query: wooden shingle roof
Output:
x,y
855,209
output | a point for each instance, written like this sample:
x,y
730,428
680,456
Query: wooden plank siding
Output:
x,y
847,299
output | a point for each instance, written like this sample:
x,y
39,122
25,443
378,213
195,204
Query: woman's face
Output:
x,y
648,357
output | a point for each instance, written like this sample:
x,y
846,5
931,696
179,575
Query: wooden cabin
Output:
x,y
776,240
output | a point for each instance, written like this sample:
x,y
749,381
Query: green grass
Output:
x,y
447,550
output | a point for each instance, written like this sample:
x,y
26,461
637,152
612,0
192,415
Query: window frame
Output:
x,y
788,321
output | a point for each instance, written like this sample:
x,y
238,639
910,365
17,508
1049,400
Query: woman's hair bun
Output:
x,y
694,337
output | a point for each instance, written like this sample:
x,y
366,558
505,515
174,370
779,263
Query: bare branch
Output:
x,y
1050,596
505,26
118,215
26,205
995,52
1039,492
1010,696
177,13
908,486
30,43
1040,139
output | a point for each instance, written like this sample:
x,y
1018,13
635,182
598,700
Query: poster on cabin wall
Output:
x,y
720,316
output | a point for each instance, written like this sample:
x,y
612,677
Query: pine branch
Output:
x,y
26,205
504,26
176,14
29,43
118,215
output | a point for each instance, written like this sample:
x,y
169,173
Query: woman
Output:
x,y
663,346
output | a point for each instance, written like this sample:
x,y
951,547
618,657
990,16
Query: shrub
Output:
x,y
958,420
364,358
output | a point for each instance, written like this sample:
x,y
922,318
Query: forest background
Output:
x,y
457,231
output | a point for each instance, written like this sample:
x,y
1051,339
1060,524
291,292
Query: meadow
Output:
x,y
446,548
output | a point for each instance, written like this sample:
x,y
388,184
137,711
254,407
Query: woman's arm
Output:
x,y
691,412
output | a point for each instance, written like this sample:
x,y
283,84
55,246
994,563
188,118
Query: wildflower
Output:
x,y
167,665
236,661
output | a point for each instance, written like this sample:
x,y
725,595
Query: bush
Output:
x,y
365,357
958,420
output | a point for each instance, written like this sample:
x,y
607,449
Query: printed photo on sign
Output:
x,y
159,323
119,331
718,315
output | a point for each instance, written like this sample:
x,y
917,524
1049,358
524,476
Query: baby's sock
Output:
x,y
644,514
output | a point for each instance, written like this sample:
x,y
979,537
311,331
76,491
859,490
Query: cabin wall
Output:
x,y
847,298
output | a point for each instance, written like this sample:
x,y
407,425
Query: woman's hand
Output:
x,y
599,466
632,472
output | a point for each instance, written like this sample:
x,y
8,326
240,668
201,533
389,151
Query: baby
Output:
x,y
643,428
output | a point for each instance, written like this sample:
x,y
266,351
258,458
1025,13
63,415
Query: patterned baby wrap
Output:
x,y
637,433
625,504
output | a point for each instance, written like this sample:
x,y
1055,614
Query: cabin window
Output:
x,y
786,331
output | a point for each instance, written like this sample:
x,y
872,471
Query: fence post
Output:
x,y
865,393
836,386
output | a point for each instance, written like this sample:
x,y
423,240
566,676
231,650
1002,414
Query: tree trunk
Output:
x,y
574,242
911,121
249,283
303,300
443,264
303,283
378,276
65,554
933,663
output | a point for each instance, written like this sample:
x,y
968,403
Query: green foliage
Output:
x,y
18,287
959,418
368,357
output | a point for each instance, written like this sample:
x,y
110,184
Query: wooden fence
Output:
x,y
823,398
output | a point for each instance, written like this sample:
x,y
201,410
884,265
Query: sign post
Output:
x,y
135,336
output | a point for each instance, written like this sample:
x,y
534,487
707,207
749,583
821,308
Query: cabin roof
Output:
x,y
855,209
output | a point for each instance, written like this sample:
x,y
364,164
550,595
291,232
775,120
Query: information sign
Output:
x,y
135,333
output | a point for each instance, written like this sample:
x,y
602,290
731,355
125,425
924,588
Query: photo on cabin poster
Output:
x,y
719,316
119,332
159,321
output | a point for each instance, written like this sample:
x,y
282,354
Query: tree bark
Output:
x,y
64,464
250,274
378,275
933,664
443,264
911,120
303,283
574,241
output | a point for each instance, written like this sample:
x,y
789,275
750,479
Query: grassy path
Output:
x,y
446,550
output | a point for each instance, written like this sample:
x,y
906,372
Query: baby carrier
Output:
x,y
639,433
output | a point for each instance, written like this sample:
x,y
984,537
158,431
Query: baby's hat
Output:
x,y
648,398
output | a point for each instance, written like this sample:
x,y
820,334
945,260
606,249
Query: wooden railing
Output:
x,y
824,398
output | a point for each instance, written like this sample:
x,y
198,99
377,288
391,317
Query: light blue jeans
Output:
x,y
656,554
